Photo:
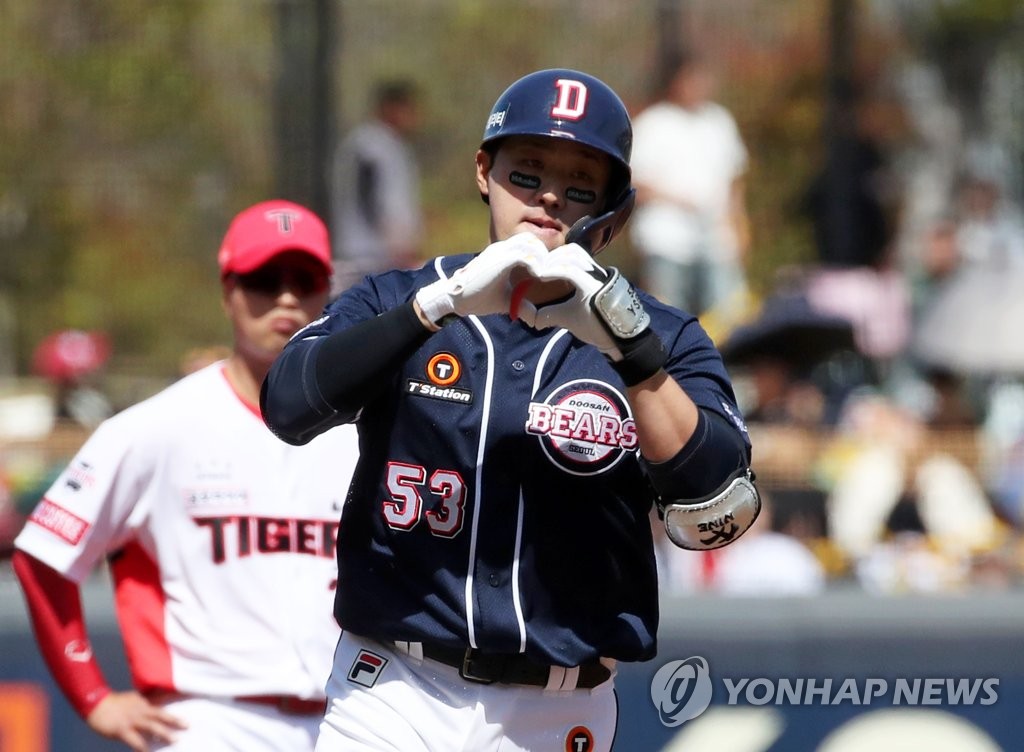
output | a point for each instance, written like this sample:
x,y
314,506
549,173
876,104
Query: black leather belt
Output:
x,y
509,668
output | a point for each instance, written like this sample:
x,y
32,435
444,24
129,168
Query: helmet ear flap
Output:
x,y
594,233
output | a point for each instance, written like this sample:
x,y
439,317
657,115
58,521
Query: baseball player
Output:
x,y
219,538
520,411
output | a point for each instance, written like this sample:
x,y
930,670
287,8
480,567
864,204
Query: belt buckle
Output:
x,y
465,671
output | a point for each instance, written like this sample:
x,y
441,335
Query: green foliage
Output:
x,y
976,15
123,160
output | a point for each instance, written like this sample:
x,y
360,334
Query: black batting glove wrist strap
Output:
x,y
642,357
619,309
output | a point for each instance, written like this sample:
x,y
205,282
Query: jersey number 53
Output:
x,y
405,506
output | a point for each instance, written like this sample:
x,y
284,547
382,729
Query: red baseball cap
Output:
x,y
265,230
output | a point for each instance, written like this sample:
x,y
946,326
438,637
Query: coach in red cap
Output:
x,y
261,232
275,266
220,538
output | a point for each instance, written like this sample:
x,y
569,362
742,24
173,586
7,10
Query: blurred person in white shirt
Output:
x,y
691,227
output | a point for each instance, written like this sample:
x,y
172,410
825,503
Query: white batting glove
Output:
x,y
574,265
605,311
482,286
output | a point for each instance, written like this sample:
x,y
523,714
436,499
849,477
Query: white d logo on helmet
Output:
x,y
572,100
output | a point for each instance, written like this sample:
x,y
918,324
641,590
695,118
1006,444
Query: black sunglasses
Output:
x,y
270,280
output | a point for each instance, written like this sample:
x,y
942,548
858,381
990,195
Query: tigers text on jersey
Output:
x,y
499,501
220,540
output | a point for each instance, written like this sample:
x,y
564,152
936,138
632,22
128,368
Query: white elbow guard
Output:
x,y
715,522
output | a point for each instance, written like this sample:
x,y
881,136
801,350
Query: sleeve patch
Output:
x,y
59,521
734,417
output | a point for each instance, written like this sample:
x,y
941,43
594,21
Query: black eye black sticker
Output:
x,y
532,182
524,181
580,195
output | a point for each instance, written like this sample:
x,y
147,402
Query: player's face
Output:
x,y
269,305
541,185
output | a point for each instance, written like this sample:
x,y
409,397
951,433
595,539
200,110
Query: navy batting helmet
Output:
x,y
564,103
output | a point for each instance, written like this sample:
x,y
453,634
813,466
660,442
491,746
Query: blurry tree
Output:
x,y
122,154
134,130
476,50
976,46
964,39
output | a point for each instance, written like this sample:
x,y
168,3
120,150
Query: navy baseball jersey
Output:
x,y
500,501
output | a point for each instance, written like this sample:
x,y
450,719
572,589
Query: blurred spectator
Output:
x,y
778,355
795,367
965,356
376,213
852,204
989,225
970,294
782,396
893,466
875,300
949,405
904,561
850,201
691,226
938,262
1003,434
982,228
70,359
971,323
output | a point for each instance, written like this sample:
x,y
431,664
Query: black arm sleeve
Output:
x,y
711,457
320,383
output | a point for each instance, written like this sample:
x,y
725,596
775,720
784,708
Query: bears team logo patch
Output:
x,y
579,739
585,427
366,668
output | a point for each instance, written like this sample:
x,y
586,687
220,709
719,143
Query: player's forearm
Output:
x,y
55,608
317,384
689,452
665,416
